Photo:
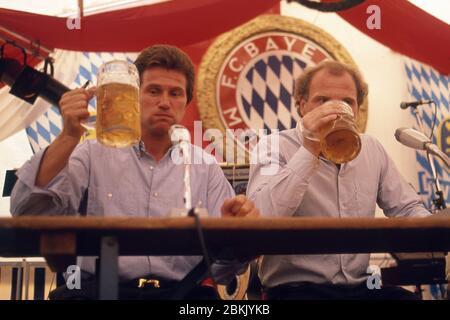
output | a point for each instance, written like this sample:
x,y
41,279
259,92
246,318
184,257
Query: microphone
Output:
x,y
414,104
417,140
181,137
179,134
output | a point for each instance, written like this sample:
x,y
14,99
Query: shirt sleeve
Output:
x,y
395,196
277,185
219,189
61,196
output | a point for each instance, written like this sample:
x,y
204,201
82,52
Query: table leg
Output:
x,y
109,277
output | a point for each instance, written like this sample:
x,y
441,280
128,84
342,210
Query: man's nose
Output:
x,y
164,100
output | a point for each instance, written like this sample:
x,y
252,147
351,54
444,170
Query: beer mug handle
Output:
x,y
306,133
89,124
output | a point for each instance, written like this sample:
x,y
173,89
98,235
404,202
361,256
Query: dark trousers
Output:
x,y
313,291
130,291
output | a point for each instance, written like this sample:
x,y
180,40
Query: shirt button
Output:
x,y
109,195
151,167
155,194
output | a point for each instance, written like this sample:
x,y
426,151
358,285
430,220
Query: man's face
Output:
x,y
326,86
162,99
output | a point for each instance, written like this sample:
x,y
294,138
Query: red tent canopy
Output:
x,y
189,24
406,29
183,22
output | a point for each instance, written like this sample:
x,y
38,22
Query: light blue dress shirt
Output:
x,y
124,182
290,181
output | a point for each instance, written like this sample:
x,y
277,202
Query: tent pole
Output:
x,y
31,47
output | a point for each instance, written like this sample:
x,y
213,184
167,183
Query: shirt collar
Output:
x,y
299,131
139,149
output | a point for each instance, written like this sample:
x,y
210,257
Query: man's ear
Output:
x,y
301,106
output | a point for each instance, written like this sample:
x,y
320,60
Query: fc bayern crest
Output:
x,y
246,78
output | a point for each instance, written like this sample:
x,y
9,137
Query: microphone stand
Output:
x,y
203,268
440,201
184,147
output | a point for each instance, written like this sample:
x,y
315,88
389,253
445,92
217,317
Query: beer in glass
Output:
x,y
118,121
339,139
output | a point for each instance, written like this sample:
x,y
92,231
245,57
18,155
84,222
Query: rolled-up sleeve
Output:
x,y
61,196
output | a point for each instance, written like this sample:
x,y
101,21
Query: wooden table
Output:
x,y
61,238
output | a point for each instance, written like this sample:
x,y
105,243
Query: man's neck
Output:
x,y
156,145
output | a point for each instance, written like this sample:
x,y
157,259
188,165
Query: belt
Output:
x,y
142,283
150,282
154,282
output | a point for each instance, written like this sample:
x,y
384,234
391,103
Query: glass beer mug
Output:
x,y
339,139
118,122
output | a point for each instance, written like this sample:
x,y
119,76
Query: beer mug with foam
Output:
x,y
118,122
339,139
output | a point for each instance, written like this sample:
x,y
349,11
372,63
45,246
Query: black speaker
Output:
x,y
10,181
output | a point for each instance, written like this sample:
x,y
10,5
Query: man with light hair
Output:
x,y
307,184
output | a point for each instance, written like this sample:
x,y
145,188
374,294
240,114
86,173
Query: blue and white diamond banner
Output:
x,y
425,83
266,92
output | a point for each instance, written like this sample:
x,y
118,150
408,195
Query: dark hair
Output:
x,y
336,68
171,58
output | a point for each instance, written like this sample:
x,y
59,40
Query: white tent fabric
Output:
x,y
18,114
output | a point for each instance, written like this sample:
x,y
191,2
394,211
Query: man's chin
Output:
x,y
160,129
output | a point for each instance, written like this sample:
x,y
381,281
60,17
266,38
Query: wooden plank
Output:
x,y
263,223
59,249
240,236
58,243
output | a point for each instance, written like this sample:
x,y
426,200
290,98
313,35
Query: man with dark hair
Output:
x,y
138,181
170,58
307,184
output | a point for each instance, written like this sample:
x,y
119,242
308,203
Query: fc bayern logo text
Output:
x,y
247,77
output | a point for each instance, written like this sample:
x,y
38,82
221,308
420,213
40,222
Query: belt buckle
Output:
x,y
144,282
